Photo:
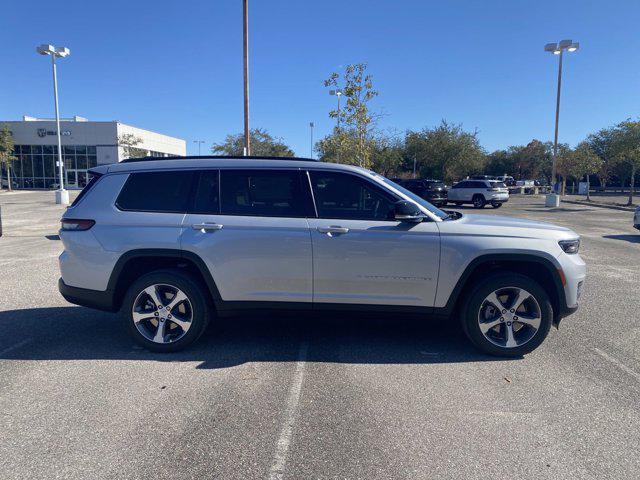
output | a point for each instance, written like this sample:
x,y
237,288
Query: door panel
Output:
x,y
382,263
249,228
253,258
361,255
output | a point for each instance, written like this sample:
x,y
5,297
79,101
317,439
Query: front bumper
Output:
x,y
100,300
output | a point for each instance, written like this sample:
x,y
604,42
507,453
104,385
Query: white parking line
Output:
x,y
618,363
284,440
13,347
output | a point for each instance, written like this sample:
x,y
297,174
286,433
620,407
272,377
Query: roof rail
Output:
x,y
220,157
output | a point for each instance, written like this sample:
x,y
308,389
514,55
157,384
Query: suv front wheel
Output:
x,y
507,315
165,310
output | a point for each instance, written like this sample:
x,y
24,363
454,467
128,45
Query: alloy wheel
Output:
x,y
162,313
509,317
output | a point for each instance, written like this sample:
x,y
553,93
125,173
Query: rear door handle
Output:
x,y
207,227
333,229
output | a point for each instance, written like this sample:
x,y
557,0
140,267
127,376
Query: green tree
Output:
x,y
626,146
585,163
129,142
262,145
564,163
387,155
602,144
445,152
355,118
6,154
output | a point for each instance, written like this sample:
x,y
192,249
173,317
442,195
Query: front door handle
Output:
x,y
207,227
333,229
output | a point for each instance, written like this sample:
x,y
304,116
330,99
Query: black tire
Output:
x,y
458,204
471,311
478,201
199,305
496,204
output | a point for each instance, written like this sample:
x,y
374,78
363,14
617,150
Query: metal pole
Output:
x,y
311,149
555,138
245,25
338,94
55,97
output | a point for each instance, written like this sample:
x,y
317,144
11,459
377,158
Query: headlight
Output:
x,y
570,246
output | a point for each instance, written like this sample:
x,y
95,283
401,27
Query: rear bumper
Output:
x,y
100,300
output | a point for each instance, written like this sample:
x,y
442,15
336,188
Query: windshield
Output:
x,y
420,201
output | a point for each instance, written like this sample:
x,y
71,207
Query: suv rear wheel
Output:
x,y
478,201
165,310
508,315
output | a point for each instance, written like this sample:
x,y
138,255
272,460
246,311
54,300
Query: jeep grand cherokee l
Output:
x,y
172,243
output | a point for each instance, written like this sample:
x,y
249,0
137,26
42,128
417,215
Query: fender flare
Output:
x,y
509,257
164,253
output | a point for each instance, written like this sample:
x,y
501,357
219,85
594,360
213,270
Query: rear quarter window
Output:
x,y
166,192
94,177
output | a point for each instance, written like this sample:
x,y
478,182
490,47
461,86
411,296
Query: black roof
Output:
x,y
225,157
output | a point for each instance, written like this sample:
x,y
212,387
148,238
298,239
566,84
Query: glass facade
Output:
x,y
35,166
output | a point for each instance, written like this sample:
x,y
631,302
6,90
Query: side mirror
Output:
x,y
404,211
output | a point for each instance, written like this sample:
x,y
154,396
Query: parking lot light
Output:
x,y
62,195
553,199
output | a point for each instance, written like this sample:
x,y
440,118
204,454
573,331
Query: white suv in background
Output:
x,y
479,193
171,243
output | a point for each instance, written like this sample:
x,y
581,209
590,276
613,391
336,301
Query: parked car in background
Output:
x,y
433,191
508,180
171,243
526,183
479,193
636,218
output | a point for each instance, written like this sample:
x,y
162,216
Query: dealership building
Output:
x,y
85,144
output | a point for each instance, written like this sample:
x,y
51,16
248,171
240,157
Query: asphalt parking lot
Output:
x,y
322,398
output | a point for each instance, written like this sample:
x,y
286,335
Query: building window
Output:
x,y
35,166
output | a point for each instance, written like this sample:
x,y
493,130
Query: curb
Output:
x,y
601,205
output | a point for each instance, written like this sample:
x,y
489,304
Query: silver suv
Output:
x,y
479,193
173,243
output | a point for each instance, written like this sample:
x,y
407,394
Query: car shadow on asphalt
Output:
x,y
626,238
76,333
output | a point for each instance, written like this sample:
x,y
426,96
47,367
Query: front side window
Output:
x,y
344,196
156,192
262,193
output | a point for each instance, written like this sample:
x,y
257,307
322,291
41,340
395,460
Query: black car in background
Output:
x,y
433,191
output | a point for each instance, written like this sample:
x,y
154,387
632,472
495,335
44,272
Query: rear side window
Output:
x,y
262,193
207,197
156,192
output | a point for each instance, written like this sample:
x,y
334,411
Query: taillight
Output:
x,y
72,224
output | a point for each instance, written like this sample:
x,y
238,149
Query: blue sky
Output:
x,y
176,66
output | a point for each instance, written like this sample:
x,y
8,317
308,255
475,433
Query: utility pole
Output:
x,y
337,93
311,125
245,30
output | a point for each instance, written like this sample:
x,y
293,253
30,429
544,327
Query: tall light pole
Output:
x,y
311,125
62,195
245,35
199,142
337,93
553,199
